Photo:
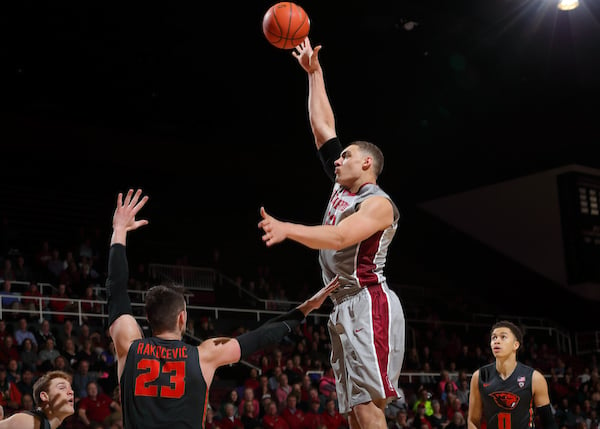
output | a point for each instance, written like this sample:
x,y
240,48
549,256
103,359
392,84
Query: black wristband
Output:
x,y
546,417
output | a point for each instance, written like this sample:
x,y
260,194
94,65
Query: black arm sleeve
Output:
x,y
268,334
328,153
294,314
546,417
116,283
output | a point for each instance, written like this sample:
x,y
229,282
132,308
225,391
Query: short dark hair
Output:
x,y
516,331
163,305
374,151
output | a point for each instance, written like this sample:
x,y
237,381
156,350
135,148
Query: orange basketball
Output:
x,y
285,25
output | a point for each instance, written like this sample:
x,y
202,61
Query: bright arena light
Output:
x,y
568,4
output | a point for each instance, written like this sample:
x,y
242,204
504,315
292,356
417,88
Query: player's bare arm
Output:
x,y
539,389
375,214
322,119
475,406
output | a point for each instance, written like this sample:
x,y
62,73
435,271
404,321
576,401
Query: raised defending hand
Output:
x,y
274,229
126,210
307,57
318,298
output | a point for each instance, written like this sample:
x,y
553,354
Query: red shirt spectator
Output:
x,y
59,302
331,417
312,419
10,395
272,420
229,420
96,406
30,299
293,416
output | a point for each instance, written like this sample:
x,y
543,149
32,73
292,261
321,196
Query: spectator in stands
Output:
x,y
438,419
274,378
293,375
420,420
423,397
44,333
263,387
27,403
64,332
457,422
32,300
411,361
55,266
248,396
81,378
60,302
27,355
69,351
305,387
8,351
426,378
91,306
4,331
231,397
449,390
327,381
10,299
205,329
87,352
7,272
23,332
331,417
249,416
312,418
43,256
445,379
230,419
71,277
463,392
23,271
272,419
61,364
400,421
252,380
282,391
25,384
13,371
293,415
96,406
10,395
46,356
210,421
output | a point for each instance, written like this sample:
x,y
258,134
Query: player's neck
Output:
x,y
506,366
168,336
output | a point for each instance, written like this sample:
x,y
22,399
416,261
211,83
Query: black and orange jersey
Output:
x,y
162,386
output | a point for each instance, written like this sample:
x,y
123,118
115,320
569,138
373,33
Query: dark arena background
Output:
x,y
486,112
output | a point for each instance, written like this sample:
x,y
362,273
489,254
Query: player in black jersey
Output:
x,y
164,381
54,398
505,394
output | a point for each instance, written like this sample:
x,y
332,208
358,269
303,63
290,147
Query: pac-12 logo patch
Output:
x,y
505,400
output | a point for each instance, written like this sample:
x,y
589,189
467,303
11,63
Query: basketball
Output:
x,y
285,25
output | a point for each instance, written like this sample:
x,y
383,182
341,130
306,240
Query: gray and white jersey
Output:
x,y
370,255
